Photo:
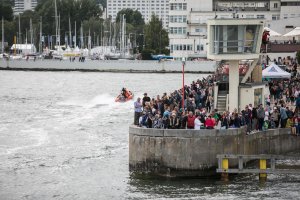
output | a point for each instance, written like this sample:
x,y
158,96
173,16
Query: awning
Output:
x,y
294,32
273,71
271,32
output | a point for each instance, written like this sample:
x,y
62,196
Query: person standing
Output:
x,y
210,122
145,99
254,119
138,108
247,116
197,123
191,120
260,116
283,117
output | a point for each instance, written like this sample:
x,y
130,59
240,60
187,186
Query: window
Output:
x,y
285,16
200,47
178,30
260,16
178,6
275,5
177,18
275,17
181,47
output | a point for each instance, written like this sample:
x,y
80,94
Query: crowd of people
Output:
x,y
281,110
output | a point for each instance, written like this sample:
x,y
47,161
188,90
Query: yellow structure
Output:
x,y
262,166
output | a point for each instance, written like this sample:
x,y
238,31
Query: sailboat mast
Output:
x,y
56,22
81,37
123,33
110,34
31,36
75,36
19,37
89,42
70,32
41,35
59,31
2,44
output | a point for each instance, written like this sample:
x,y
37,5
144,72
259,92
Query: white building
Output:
x,y
188,20
22,5
159,7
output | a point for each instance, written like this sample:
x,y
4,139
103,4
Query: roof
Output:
x,y
273,71
22,46
294,32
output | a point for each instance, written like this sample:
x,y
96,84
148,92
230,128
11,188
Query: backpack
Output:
x,y
145,121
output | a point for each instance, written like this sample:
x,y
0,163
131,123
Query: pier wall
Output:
x,y
193,152
142,66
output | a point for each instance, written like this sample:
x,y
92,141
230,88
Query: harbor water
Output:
x,y
62,136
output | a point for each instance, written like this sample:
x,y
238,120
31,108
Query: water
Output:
x,y
62,136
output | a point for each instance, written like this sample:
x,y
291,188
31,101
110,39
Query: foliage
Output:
x,y
133,17
146,54
76,10
9,31
156,36
134,27
6,10
102,2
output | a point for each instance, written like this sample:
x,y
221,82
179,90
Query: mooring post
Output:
x,y
224,175
263,166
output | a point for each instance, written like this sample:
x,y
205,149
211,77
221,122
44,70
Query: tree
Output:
x,y
156,36
133,17
9,31
94,26
102,2
6,10
134,26
77,10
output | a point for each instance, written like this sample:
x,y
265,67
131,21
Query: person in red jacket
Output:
x,y
209,122
190,120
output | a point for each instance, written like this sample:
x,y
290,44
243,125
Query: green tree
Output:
x,y
102,2
6,10
133,17
9,31
94,26
134,26
77,10
156,36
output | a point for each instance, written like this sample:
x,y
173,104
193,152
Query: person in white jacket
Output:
x,y
197,123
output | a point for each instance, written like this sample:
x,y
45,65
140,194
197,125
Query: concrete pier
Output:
x,y
176,153
122,66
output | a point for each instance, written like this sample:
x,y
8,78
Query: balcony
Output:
x,y
196,22
279,48
199,34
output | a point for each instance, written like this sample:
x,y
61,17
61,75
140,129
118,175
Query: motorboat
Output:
x,y
124,98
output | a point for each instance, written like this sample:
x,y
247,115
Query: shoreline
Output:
x,y
114,66
103,70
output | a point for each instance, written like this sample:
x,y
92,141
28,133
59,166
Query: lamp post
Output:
x,y
183,63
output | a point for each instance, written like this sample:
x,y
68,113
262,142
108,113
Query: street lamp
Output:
x,y
183,63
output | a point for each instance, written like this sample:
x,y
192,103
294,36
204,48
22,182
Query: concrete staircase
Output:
x,y
221,104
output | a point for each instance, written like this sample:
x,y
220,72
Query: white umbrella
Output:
x,y
294,32
272,33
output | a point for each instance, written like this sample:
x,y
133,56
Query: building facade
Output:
x,y
188,20
147,7
22,5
